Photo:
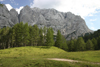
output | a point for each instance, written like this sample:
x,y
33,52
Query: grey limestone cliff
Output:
x,y
69,24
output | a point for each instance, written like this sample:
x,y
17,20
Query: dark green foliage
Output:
x,y
35,35
64,44
25,34
58,42
89,45
94,41
61,41
41,38
71,46
90,36
98,41
49,38
31,36
19,33
80,44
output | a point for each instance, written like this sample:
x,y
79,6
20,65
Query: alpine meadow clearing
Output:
x,y
37,57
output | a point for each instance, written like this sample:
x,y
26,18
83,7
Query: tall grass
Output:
x,y
36,57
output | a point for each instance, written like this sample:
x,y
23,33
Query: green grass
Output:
x,y
36,57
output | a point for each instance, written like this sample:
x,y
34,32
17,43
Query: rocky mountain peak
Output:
x,y
69,24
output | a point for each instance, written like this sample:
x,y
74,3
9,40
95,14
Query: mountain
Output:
x,y
69,24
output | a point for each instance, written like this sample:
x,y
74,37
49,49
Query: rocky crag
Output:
x,y
69,24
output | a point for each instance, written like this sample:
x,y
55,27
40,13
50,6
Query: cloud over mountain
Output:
x,y
79,7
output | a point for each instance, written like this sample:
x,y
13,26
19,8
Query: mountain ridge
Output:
x,y
67,23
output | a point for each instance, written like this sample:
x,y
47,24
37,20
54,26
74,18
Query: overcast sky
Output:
x,y
89,10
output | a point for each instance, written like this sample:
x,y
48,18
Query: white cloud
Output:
x,y
90,15
1,0
9,7
93,19
18,9
78,7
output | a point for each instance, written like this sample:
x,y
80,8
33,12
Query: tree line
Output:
x,y
84,43
77,44
25,35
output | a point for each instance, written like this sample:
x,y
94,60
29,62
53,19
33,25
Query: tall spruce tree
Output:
x,y
80,44
19,34
94,41
58,42
41,39
25,34
35,35
4,37
64,44
98,40
12,37
89,45
31,37
71,46
49,38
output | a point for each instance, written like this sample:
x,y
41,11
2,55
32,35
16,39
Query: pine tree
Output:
x,y
64,44
71,46
26,34
44,34
89,45
80,44
12,36
0,39
58,42
94,41
19,34
41,39
98,40
49,38
31,37
35,35
4,37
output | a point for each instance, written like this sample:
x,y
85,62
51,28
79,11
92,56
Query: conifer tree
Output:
x,y
35,35
94,41
0,39
98,40
64,44
44,34
19,34
31,37
4,37
26,34
12,36
80,44
41,39
49,38
71,46
58,42
89,45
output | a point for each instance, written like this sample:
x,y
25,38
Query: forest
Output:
x,y
25,35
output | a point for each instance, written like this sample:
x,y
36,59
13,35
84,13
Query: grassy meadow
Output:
x,y
37,57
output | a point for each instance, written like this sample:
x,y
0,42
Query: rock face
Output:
x,y
69,24
5,19
14,16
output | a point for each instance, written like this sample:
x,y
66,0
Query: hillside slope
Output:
x,y
37,56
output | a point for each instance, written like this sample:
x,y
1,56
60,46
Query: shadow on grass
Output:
x,y
43,47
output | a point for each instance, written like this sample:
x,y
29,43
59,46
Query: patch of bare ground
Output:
x,y
69,60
